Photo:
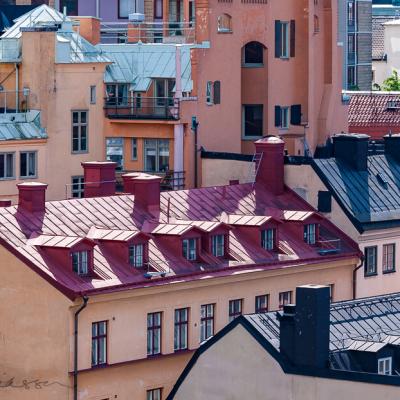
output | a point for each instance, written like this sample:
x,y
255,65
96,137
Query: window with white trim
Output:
x,y
310,233
218,245
78,186
284,118
7,165
27,164
136,255
189,249
268,238
385,366
80,262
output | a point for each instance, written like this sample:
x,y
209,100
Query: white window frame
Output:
x,y
93,94
80,192
189,249
79,125
134,149
218,245
209,93
159,145
310,234
26,175
285,39
82,262
285,117
268,237
385,366
6,175
136,255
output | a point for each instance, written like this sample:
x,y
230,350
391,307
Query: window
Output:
x,y
158,9
154,394
92,94
126,7
224,24
285,298
389,254
253,54
134,149
253,120
189,249
351,46
156,155
235,309
209,92
316,24
218,245
117,94
324,201
284,40
27,164
268,239
80,262
351,13
77,187
115,151
370,257
138,101
385,366
284,118
181,329
6,165
163,91
99,343
262,303
154,333
331,291
206,321
136,255
71,5
351,77
310,233
79,131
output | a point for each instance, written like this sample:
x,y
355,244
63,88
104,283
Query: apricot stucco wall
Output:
x,y
237,367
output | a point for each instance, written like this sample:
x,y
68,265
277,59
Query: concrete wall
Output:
x,y
237,367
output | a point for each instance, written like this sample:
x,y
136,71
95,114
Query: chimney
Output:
x,y
99,178
5,203
32,196
147,192
129,183
352,149
392,146
304,328
89,28
270,171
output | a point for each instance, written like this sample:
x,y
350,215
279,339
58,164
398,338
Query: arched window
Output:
x,y
225,23
253,54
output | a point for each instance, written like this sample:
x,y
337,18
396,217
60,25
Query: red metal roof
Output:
x,y
117,218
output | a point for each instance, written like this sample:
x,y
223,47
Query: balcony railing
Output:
x,y
148,32
141,108
328,245
170,180
12,102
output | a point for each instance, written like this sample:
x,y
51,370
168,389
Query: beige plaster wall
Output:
x,y
237,367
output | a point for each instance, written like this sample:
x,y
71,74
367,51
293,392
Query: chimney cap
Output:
x,y
97,164
393,135
355,136
269,140
146,177
32,185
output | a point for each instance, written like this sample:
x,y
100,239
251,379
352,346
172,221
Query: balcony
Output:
x,y
328,245
148,32
152,108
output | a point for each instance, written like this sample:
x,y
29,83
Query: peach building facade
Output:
x,y
143,278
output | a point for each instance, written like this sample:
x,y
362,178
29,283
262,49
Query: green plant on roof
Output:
x,y
392,84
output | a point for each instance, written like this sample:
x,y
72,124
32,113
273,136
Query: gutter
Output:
x,y
355,275
77,312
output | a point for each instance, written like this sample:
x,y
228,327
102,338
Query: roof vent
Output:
x,y
393,105
382,178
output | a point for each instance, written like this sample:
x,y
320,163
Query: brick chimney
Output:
x,y
305,328
32,196
271,165
392,146
352,149
129,183
89,28
147,192
99,177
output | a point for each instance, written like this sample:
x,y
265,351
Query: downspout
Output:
x,y
355,276
85,300
16,87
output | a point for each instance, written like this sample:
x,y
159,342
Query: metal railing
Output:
x,y
171,180
14,101
148,32
328,246
141,108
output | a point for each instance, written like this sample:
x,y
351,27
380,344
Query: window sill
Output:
x,y
252,138
388,272
100,366
28,177
285,58
182,351
12,178
224,31
370,275
80,152
252,65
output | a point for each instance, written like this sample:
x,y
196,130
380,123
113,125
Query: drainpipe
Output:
x,y
85,300
98,8
16,87
195,125
355,276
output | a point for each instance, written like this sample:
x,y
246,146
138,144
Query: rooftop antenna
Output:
x,y
64,13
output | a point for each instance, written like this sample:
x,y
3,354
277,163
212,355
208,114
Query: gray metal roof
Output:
x,y
25,126
137,64
373,319
365,197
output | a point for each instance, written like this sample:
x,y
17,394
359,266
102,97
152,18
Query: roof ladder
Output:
x,y
254,167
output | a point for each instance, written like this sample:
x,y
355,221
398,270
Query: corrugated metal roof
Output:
x,y
361,193
247,220
65,242
93,217
119,235
365,345
137,64
25,126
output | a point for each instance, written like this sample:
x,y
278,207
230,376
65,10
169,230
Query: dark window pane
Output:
x,y
253,53
253,120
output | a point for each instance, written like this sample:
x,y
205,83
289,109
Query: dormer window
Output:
x,y
80,262
189,248
218,245
385,366
310,233
268,238
136,258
